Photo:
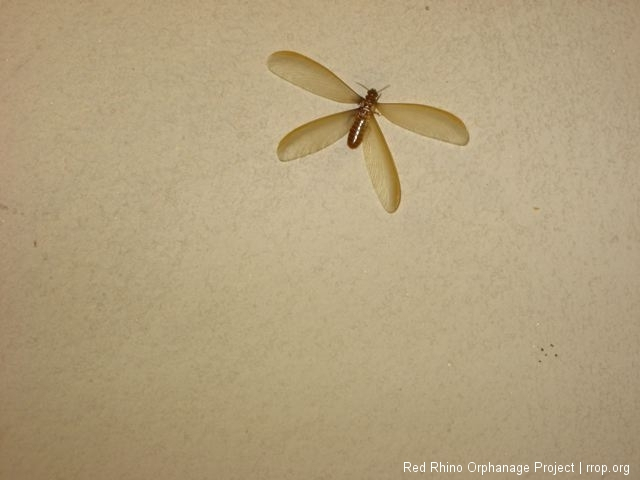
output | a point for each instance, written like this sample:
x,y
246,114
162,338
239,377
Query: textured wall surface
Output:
x,y
175,303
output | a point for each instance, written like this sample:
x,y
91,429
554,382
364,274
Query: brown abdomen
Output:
x,y
357,130
359,127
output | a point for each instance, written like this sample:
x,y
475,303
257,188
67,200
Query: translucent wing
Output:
x,y
314,136
382,170
310,75
428,121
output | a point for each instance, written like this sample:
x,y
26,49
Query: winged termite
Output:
x,y
360,123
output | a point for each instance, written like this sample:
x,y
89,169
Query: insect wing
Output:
x,y
310,75
314,136
382,170
428,121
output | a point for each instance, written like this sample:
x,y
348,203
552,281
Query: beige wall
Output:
x,y
175,303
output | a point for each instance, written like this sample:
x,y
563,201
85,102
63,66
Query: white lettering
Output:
x,y
483,468
439,467
602,469
621,469
553,469
408,467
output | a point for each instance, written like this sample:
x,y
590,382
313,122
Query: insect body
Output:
x,y
360,123
367,109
